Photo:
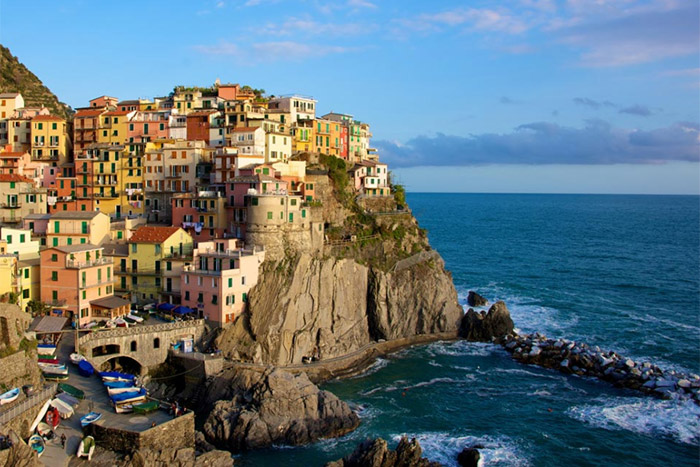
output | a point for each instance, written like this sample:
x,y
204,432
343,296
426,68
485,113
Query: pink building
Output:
x,y
219,279
77,281
202,215
248,184
147,126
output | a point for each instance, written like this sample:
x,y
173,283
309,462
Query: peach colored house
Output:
x,y
202,215
217,282
148,126
77,227
77,281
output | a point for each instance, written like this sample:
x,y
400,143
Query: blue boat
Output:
x,y
116,376
118,384
85,368
85,420
127,396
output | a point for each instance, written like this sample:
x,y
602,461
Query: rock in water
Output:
x,y
376,453
469,457
485,327
474,299
276,407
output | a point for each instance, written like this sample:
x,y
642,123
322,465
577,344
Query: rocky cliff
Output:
x,y
375,278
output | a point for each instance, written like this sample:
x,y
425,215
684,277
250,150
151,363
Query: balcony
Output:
x,y
56,303
11,220
74,264
112,194
15,205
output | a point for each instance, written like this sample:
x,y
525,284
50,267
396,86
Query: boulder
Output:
x,y
376,453
276,407
469,457
484,328
474,299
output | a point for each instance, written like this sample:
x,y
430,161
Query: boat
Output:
x,y
146,407
120,322
116,376
55,377
72,390
115,391
118,384
42,356
48,360
65,410
44,428
52,417
85,420
48,349
85,369
68,399
54,370
135,318
36,442
9,396
129,396
40,415
124,408
86,447
76,358
52,366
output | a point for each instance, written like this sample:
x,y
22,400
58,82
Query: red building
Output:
x,y
198,125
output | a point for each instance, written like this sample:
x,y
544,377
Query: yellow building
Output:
x,y
77,227
114,127
156,258
9,101
303,136
327,138
49,140
8,276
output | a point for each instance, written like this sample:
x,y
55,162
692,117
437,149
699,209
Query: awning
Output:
x,y
166,307
183,310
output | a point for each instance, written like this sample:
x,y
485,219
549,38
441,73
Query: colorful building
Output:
x,y
19,197
87,123
75,276
9,102
219,279
202,215
299,107
370,178
156,258
50,140
77,228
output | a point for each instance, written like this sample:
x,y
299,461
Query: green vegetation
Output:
x,y
38,308
15,77
7,351
399,195
28,345
338,172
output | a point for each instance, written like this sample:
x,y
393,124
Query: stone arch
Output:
x,y
133,346
108,349
156,342
124,364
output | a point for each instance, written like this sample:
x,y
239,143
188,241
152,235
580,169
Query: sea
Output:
x,y
618,271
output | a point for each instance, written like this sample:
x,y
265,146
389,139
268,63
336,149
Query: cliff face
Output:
x,y
374,277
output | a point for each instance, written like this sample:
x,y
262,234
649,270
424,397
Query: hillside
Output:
x,y
15,77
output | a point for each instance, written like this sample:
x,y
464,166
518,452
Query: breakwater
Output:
x,y
584,360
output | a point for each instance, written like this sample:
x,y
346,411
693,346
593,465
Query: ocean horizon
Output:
x,y
615,271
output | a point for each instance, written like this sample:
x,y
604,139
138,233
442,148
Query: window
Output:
x,y
157,249
214,299
187,295
54,295
84,294
156,343
56,227
133,248
245,298
269,215
25,293
84,227
168,266
133,346
243,280
54,258
21,238
230,282
26,273
200,297
54,276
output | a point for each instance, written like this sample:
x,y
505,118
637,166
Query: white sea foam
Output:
x,y
444,447
679,420
373,368
401,384
462,349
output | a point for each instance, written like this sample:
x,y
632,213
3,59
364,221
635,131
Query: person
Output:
x,y
63,440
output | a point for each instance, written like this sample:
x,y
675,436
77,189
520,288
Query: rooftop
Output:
x,y
153,234
41,118
48,324
110,302
88,113
75,248
9,95
14,178
76,215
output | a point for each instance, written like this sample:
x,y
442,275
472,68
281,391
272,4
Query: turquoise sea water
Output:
x,y
621,272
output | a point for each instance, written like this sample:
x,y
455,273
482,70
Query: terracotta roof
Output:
x,y
245,129
152,234
46,117
110,302
14,178
76,248
13,153
89,113
76,214
128,102
201,113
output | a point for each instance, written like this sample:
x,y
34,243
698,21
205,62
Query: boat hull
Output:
x,y
9,396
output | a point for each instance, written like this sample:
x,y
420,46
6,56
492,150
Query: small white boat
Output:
x,y
44,428
46,349
68,399
9,396
89,325
52,366
125,408
65,410
86,447
76,358
133,317
121,322
54,370
40,416
85,420
36,442
113,391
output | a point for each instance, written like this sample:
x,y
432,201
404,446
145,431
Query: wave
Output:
x,y
679,420
462,349
400,384
373,368
444,447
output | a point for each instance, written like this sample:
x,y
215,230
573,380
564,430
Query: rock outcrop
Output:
x,y
469,457
376,453
584,360
308,307
19,455
185,457
484,327
275,407
474,299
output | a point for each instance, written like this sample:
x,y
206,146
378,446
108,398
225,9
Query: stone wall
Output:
x,y
21,423
175,434
19,369
13,323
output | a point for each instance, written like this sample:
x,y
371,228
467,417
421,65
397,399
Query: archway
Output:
x,y
123,364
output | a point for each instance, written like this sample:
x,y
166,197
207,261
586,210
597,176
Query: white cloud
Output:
x,y
295,26
361,4
272,51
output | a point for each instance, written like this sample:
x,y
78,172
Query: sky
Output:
x,y
545,96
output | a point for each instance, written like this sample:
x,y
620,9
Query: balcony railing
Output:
x,y
15,205
74,264
11,220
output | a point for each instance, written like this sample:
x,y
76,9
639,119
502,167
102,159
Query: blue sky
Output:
x,y
595,96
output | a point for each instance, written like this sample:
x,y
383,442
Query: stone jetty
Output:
x,y
584,360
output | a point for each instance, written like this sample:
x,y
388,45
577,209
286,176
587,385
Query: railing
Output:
x,y
11,220
30,402
16,205
74,264
59,303
153,328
